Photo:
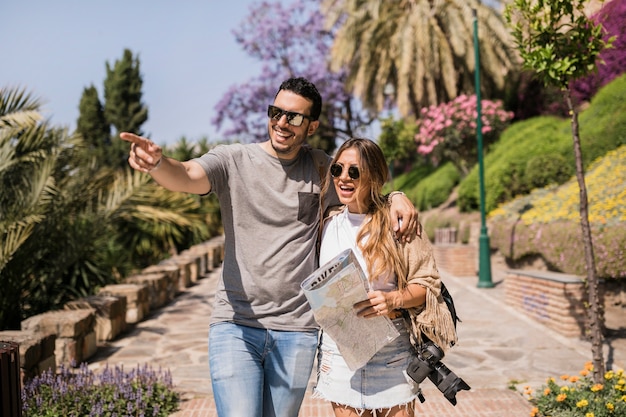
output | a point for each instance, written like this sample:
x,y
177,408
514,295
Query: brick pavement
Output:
x,y
475,403
498,348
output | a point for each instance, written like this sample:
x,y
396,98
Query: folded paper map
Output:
x,y
332,290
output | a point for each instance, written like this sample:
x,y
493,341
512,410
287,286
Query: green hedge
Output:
x,y
546,222
602,129
426,186
435,189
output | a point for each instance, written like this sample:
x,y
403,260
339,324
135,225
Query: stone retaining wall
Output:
x,y
74,330
555,300
110,314
457,259
70,336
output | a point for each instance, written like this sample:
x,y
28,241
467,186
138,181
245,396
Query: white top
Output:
x,y
339,234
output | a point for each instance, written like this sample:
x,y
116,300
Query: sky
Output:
x,y
187,52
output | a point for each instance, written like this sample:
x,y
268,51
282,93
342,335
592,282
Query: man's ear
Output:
x,y
313,127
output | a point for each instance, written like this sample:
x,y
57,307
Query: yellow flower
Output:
x,y
582,403
561,397
589,366
610,406
564,389
597,387
589,415
608,375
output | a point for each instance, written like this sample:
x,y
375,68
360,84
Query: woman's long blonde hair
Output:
x,y
379,249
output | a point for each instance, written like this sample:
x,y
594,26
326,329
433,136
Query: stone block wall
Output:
x,y
172,275
186,271
157,284
110,314
137,299
36,351
553,299
75,333
200,254
71,336
457,259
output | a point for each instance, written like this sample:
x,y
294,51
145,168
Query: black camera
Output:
x,y
427,363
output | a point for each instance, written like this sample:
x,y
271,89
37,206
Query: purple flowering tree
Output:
x,y
612,61
447,132
290,40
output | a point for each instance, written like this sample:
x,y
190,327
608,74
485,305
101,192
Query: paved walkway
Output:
x,y
499,353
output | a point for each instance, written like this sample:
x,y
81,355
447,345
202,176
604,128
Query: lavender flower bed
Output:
x,y
112,392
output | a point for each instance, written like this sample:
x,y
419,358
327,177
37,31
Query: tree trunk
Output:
x,y
595,310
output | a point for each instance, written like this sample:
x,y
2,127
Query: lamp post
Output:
x,y
388,93
484,259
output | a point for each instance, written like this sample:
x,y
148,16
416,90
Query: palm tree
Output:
x,y
28,156
422,48
69,225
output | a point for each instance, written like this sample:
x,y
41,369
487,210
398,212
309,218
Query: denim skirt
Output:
x,y
381,383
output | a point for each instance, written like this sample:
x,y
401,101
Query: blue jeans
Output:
x,y
259,372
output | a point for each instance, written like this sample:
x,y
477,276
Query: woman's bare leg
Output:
x,y
403,410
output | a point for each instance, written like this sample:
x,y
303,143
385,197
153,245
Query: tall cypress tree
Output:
x,y
92,124
123,108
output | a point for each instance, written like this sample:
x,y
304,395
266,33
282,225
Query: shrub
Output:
x,y
506,162
547,221
437,222
602,129
435,189
580,396
112,392
606,194
543,170
408,180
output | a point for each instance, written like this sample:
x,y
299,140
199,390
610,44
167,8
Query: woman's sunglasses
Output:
x,y
293,118
336,170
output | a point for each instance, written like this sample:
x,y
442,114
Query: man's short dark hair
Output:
x,y
305,88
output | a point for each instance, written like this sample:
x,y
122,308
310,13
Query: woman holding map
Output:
x,y
401,275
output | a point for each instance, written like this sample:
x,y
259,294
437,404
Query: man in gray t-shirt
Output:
x,y
263,336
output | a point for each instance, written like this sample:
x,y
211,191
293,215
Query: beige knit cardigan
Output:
x,y
433,318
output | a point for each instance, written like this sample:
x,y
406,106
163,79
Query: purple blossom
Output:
x,y
81,392
290,40
612,61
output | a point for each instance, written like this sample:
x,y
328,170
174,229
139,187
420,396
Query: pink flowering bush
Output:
x,y
447,132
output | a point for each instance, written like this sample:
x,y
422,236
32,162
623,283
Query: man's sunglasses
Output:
x,y
336,170
293,118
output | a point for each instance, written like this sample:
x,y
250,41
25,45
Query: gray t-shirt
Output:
x,y
270,214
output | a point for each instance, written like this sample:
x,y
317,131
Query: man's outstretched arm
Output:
x,y
147,156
